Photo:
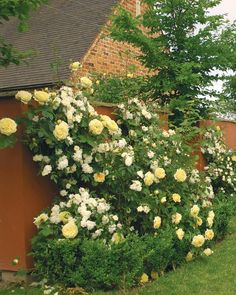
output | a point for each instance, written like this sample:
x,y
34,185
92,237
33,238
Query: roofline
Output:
x,y
7,90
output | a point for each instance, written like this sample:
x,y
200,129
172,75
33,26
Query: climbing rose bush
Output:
x,y
128,192
118,181
221,161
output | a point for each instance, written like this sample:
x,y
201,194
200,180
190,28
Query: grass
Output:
x,y
214,275
16,290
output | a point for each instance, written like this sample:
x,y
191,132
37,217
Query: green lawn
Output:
x,y
204,276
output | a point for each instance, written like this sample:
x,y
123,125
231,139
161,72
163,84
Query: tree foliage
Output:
x,y
183,45
228,98
19,9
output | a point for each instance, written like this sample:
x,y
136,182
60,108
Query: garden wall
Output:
x,y
23,194
228,128
229,131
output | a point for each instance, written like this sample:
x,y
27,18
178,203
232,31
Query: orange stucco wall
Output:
x,y
228,128
23,194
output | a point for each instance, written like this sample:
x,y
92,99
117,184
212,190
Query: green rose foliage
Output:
x,y
116,88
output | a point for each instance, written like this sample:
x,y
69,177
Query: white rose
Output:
x,y
62,163
128,160
37,158
150,154
140,174
136,186
46,170
86,168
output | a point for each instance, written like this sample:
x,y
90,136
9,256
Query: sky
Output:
x,y
227,6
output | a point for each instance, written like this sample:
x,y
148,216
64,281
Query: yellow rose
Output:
x,y
208,252
163,200
40,219
23,96
180,233
176,198
91,90
41,96
61,130
199,221
64,216
198,241
117,238
194,211
176,218
70,230
130,75
74,66
53,94
104,119
189,257
111,125
154,275
209,234
233,158
180,175
7,126
86,82
210,221
211,214
160,173
99,177
148,178
157,222
95,127
144,278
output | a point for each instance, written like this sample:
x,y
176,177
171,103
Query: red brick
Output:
x,y
106,55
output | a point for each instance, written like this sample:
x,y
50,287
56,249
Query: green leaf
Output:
x,y
7,141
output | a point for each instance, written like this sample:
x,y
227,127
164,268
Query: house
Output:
x,y
63,31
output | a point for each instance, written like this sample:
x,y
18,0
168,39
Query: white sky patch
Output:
x,y
227,7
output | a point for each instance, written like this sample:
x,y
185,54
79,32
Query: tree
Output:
x,y
183,45
229,95
19,9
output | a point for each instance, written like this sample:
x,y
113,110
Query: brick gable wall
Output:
x,y
108,56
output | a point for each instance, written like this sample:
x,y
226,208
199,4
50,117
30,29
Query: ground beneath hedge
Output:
x,y
215,275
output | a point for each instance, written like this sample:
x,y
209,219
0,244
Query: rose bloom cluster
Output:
x,y
142,174
121,180
221,167
84,215
73,155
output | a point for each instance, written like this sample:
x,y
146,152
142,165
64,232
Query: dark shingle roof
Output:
x,y
60,31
